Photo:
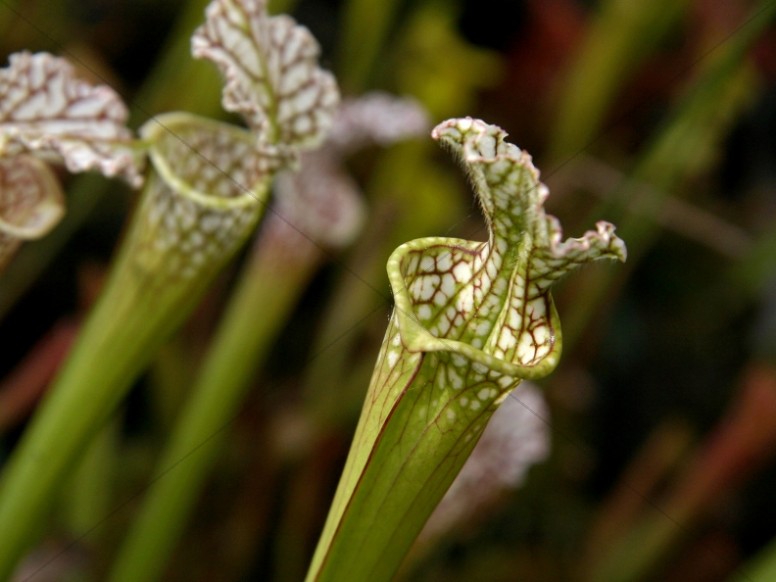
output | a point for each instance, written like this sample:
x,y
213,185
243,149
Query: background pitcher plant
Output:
x,y
208,187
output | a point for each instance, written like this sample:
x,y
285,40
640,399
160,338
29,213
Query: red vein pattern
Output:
x,y
31,202
46,108
208,191
272,77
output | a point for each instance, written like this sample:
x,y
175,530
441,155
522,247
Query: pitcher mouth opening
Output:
x,y
29,214
216,164
417,336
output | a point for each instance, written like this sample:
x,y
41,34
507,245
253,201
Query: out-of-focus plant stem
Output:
x,y
307,219
124,317
365,27
742,443
88,495
622,34
263,298
682,147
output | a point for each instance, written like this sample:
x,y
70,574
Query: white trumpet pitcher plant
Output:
x,y
471,321
208,186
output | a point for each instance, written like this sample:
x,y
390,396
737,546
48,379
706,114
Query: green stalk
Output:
x,y
761,567
180,237
365,27
286,254
89,492
622,35
260,306
684,145
472,319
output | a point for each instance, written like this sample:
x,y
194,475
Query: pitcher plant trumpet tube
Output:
x,y
206,191
190,220
316,212
471,320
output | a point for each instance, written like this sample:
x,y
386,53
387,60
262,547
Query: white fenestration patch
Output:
x,y
458,360
506,339
443,327
444,262
527,349
456,382
427,264
505,382
448,285
428,286
541,335
464,300
393,357
486,394
483,328
462,272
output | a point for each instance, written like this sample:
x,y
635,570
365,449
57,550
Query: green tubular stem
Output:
x,y
621,36
378,512
89,493
365,27
263,299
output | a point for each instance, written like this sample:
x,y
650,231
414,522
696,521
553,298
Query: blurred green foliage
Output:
x,y
658,116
